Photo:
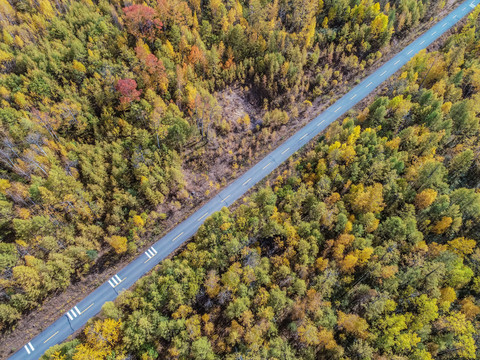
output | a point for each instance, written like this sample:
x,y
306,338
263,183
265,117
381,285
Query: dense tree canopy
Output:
x,y
364,247
102,101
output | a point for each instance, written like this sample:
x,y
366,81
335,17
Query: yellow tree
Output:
x,y
119,243
101,338
462,246
353,324
369,199
425,198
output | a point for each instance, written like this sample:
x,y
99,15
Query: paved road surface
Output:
x,y
75,318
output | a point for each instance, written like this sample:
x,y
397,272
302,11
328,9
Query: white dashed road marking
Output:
x,y
150,253
31,348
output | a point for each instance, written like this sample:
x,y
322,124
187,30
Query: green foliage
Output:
x,y
346,254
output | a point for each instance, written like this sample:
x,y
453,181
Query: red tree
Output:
x,y
128,89
141,21
153,71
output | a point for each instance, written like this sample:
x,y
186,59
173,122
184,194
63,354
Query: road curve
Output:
x,y
76,317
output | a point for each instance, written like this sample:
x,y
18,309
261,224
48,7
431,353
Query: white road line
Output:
x,y
370,83
422,42
284,151
383,73
321,122
472,6
353,97
119,280
151,252
176,237
303,136
31,346
146,253
73,313
434,33
444,25
409,52
338,109
454,16
78,311
114,281
246,182
267,165
201,217
111,284
70,316
28,351
396,62
153,249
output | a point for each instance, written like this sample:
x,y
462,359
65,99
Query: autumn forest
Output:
x,y
362,246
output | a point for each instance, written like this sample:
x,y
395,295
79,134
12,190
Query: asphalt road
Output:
x,y
75,318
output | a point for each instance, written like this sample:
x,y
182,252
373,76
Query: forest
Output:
x,y
364,246
106,104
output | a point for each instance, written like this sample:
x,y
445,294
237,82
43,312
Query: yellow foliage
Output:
x,y
182,312
46,8
77,65
469,308
23,213
119,243
348,263
363,255
4,185
353,324
394,143
448,294
29,260
435,249
321,264
462,246
225,226
20,99
101,338
7,38
425,198
442,225
5,56
369,199
389,271
18,41
138,221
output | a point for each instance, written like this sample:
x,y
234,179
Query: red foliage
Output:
x,y
153,71
141,21
128,89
